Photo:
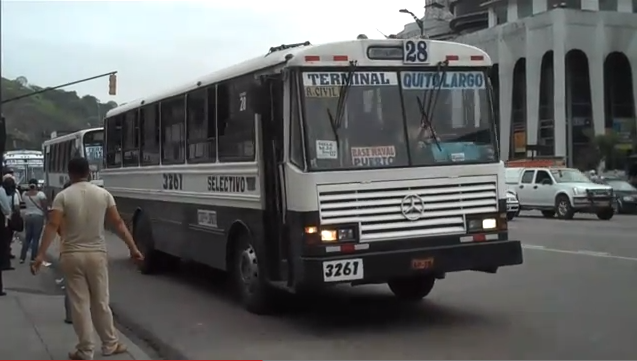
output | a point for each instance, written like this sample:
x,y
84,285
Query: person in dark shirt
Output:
x,y
10,188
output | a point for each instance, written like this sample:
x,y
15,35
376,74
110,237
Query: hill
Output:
x,y
32,119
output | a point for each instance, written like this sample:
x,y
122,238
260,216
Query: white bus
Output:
x,y
26,165
58,150
366,161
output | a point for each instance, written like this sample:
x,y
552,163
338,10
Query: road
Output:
x,y
574,298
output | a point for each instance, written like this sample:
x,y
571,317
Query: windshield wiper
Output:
x,y
336,121
426,121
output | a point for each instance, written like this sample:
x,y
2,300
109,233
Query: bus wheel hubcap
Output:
x,y
248,268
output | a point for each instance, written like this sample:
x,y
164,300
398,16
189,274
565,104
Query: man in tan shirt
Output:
x,y
82,208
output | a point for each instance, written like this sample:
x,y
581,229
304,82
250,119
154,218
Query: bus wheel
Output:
x,y
412,288
144,241
248,278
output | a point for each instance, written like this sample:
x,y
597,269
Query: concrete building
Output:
x,y
565,70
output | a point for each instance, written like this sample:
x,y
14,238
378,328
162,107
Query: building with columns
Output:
x,y
564,70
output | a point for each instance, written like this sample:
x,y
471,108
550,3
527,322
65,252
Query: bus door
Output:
x,y
272,120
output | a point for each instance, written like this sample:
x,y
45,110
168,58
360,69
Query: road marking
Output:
x,y
579,252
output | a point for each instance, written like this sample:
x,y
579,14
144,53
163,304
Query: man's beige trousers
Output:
x,y
86,276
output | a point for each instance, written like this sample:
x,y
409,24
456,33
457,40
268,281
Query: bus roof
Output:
x,y
22,153
73,135
330,54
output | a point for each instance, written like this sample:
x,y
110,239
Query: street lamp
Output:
x,y
418,21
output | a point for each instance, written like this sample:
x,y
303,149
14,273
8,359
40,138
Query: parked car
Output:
x,y
513,205
625,195
563,192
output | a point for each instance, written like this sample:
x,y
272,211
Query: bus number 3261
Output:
x,y
173,181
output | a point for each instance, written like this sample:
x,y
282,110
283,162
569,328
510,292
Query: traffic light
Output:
x,y
112,84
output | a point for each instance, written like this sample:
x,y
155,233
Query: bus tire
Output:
x,y
248,276
143,237
412,288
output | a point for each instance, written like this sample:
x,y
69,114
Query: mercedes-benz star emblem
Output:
x,y
412,207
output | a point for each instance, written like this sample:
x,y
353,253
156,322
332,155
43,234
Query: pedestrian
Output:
x,y
34,214
5,214
10,192
82,208
68,318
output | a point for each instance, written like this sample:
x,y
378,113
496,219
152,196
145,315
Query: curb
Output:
x,y
131,329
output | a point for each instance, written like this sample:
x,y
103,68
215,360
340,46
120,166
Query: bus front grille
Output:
x,y
438,206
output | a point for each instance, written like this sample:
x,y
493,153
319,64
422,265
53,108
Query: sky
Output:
x,y
157,45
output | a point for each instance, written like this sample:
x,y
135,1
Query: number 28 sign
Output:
x,y
415,51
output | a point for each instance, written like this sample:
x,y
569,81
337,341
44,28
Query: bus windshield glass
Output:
x,y
368,132
20,173
35,172
449,117
373,125
93,147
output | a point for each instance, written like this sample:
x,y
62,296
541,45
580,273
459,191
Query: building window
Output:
x,y
173,122
149,129
607,5
114,141
518,111
130,139
500,11
235,119
525,8
202,145
635,6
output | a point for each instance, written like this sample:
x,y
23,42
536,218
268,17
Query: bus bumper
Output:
x,y
380,267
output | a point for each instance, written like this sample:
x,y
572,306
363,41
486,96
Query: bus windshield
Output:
x,y
380,123
35,172
93,147
449,117
20,173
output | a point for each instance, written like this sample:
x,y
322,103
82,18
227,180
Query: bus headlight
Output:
x,y
489,223
329,235
481,224
337,235
333,234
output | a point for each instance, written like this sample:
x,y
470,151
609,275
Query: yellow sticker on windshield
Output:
x,y
322,91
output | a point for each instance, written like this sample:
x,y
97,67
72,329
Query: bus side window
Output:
x,y
113,154
64,156
130,139
149,129
201,145
173,135
69,152
235,119
53,158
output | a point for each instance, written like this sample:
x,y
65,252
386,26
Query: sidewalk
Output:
x,y
32,319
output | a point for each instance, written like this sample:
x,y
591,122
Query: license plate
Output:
x,y
343,270
425,263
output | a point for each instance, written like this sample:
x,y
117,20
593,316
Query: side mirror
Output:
x,y
547,182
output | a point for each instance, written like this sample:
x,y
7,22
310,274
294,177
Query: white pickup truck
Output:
x,y
560,191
